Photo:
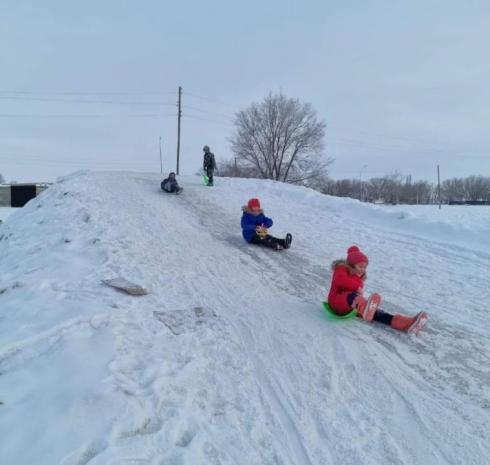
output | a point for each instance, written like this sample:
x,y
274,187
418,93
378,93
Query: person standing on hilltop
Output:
x,y
209,164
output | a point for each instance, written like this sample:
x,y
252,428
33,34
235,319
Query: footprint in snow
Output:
x,y
187,320
85,453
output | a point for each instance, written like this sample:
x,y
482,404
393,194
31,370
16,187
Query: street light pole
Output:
x,y
179,117
439,186
161,162
360,182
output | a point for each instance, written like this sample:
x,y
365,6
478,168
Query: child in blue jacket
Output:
x,y
255,225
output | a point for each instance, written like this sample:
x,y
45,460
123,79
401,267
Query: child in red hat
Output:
x,y
346,294
255,225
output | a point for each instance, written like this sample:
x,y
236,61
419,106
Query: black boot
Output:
x,y
273,242
278,244
269,241
210,173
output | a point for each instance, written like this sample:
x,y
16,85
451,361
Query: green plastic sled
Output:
x,y
206,179
333,316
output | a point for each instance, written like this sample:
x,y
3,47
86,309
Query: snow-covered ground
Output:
x,y
471,216
230,359
463,222
5,212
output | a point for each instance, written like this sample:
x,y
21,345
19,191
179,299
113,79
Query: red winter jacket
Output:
x,y
343,284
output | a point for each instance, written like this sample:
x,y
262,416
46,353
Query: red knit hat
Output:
x,y
253,204
355,256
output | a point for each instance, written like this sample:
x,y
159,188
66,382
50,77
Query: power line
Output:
x,y
81,163
381,147
366,144
384,147
105,102
33,157
41,115
208,112
377,135
23,160
21,92
211,100
207,119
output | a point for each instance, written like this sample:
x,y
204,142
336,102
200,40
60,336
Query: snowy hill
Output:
x,y
230,359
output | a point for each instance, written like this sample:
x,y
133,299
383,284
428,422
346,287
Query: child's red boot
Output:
x,y
409,324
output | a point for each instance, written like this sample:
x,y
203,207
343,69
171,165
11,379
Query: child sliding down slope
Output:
x,y
346,294
171,185
255,225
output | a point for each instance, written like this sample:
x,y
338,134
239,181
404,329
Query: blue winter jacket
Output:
x,y
250,223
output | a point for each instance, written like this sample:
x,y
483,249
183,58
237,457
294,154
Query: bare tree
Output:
x,y
281,139
453,190
376,189
423,192
476,188
2,179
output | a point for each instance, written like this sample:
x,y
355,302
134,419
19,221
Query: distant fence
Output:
x,y
17,195
469,202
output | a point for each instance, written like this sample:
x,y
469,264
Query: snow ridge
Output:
x,y
229,359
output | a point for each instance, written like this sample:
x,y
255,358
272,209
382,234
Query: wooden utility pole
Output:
x,y
161,162
179,116
439,185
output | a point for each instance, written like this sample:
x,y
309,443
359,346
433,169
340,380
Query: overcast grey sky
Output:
x,y
402,85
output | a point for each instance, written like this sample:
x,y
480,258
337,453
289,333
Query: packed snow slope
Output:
x,y
230,358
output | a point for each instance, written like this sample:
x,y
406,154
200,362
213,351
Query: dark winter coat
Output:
x,y
250,223
169,185
344,282
209,161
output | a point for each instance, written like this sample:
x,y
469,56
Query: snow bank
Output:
x,y
465,226
229,358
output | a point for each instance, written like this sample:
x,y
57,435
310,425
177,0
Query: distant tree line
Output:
x,y
472,188
394,188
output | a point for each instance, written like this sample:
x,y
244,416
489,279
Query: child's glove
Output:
x,y
261,230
